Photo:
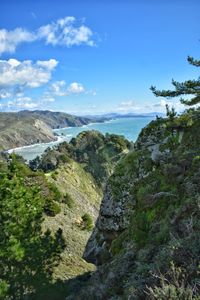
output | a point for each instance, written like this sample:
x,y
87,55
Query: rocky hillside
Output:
x,y
71,191
30,127
146,241
78,171
95,152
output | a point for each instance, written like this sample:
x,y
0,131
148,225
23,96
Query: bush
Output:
x,y
52,208
64,158
87,222
55,190
67,199
174,286
28,254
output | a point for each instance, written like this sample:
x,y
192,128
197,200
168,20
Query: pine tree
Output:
x,y
186,88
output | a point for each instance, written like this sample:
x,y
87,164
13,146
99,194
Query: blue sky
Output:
x,y
87,57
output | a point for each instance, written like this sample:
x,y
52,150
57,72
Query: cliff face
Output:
x,y
147,232
79,170
31,127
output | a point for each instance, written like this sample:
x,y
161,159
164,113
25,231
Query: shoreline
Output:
x,y
62,137
57,141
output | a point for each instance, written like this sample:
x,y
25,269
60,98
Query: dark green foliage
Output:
x,y
52,208
56,193
97,153
189,87
171,113
27,254
87,222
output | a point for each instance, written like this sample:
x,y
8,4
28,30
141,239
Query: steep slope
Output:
x,y
56,119
146,241
30,127
95,152
71,194
79,170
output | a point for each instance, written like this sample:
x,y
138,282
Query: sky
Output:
x,y
95,56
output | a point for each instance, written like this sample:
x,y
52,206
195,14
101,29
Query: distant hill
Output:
x,y
115,115
29,127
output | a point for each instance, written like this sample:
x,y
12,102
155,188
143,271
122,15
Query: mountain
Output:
x,y
70,178
30,127
115,115
146,243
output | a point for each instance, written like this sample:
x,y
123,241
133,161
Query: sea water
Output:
x,y
128,127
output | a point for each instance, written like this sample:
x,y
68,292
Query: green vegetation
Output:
x,y
87,222
30,127
189,87
150,217
97,153
27,253
174,285
67,199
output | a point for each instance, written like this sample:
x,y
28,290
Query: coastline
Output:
x,y
59,138
127,127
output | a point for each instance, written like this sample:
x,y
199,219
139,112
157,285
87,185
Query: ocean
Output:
x,y
128,127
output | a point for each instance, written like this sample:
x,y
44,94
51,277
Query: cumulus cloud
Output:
x,y
25,73
76,88
22,103
60,88
67,32
26,102
9,40
148,107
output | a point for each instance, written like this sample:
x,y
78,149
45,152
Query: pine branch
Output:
x,y
193,61
192,101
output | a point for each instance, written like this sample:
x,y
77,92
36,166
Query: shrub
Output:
x,y
87,222
55,190
174,286
52,208
28,254
67,199
64,158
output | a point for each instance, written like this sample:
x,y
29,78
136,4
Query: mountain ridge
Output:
x,y
30,127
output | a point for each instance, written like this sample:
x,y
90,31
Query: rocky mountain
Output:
x,y
30,127
146,242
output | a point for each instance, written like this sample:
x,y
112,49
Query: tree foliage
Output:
x,y
27,252
187,88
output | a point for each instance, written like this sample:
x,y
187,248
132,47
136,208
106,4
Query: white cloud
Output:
x,y
60,88
9,40
161,106
126,106
47,64
65,32
23,103
4,94
25,73
75,88
47,98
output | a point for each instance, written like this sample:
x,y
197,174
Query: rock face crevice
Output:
x,y
144,222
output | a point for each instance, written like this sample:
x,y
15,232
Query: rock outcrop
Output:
x,y
148,223
30,127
